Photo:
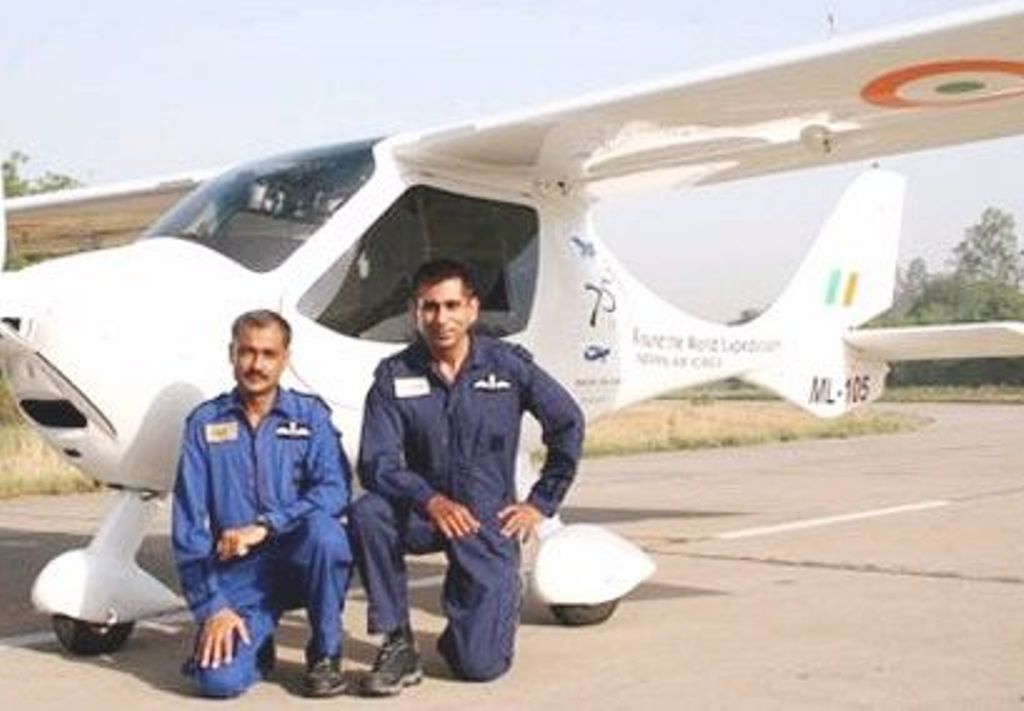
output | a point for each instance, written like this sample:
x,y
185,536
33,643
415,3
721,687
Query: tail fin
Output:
x,y
846,279
848,276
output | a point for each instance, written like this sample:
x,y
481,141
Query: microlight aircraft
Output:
x,y
105,352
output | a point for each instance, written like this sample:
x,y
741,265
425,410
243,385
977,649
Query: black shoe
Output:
x,y
397,666
266,657
323,678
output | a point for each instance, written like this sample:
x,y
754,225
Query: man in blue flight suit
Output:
x,y
262,482
437,460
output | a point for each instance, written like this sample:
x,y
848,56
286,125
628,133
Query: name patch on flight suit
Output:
x,y
221,432
411,387
292,430
491,384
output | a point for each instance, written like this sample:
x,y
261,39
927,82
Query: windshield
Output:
x,y
260,213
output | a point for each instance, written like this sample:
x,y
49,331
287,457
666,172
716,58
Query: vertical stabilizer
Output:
x,y
846,279
849,275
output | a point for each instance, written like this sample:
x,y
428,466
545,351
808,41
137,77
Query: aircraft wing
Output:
x,y
969,340
96,213
951,80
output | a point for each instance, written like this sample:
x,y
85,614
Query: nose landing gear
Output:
x,y
95,594
90,638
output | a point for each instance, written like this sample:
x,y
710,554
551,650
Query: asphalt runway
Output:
x,y
883,572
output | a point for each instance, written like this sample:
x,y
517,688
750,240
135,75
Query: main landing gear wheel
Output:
x,y
581,615
90,638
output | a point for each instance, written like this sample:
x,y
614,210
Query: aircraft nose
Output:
x,y
47,397
107,352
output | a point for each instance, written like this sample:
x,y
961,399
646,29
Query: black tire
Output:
x,y
89,638
580,615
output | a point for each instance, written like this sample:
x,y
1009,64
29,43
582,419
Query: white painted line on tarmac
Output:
x,y
168,624
829,520
428,582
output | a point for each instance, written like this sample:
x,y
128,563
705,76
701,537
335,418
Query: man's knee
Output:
x,y
322,528
323,535
481,665
225,682
369,513
473,656
482,669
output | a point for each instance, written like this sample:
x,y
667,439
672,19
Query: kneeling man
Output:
x,y
262,482
438,458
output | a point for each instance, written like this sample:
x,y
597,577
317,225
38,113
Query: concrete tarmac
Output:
x,y
882,572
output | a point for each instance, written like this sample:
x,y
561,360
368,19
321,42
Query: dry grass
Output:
x,y
29,466
663,425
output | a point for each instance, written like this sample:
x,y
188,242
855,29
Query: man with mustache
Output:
x,y
438,456
262,482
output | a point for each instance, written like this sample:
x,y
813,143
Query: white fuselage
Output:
x,y
139,334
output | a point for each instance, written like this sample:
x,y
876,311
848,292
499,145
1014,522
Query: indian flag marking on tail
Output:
x,y
833,287
851,289
835,280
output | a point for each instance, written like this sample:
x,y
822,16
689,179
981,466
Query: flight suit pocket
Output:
x,y
293,480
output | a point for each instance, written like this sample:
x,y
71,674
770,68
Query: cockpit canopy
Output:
x,y
258,214
365,294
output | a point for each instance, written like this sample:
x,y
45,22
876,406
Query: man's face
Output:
x,y
444,313
258,357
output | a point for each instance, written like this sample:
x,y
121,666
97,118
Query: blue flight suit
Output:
x,y
289,473
423,435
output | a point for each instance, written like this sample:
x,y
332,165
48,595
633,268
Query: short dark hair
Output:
x,y
261,318
438,270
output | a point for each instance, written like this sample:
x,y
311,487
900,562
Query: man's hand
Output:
x,y
216,644
519,520
453,519
236,542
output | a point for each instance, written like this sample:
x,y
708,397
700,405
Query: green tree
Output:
x,y
16,185
989,250
949,298
952,299
984,285
910,285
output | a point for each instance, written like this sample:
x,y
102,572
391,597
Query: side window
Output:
x,y
365,293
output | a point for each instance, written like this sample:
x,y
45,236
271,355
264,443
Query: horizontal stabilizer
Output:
x,y
969,340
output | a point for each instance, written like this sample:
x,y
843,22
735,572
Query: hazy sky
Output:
x,y
109,91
